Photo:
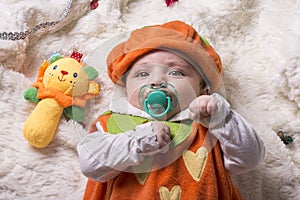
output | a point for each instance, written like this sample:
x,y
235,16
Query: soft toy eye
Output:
x,y
75,75
55,67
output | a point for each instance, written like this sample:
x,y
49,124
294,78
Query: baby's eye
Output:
x,y
55,67
142,74
176,73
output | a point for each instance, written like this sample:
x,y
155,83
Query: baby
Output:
x,y
172,136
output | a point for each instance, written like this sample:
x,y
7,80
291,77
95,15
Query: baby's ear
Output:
x,y
204,90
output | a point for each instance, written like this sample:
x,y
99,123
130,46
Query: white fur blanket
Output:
x,y
259,42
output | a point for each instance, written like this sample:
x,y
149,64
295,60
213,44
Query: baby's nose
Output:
x,y
158,81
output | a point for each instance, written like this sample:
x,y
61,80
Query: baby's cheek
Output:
x,y
185,97
133,98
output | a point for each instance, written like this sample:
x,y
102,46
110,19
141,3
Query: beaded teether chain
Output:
x,y
23,34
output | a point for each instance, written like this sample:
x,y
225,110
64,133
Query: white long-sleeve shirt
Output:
x,y
103,155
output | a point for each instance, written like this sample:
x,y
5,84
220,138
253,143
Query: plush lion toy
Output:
x,y
64,85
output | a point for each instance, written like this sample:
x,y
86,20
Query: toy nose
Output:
x,y
64,72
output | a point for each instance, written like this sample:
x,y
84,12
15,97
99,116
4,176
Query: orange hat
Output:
x,y
176,37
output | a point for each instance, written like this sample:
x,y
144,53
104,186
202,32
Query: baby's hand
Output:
x,y
93,127
202,106
162,132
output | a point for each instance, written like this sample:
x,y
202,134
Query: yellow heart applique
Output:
x,y
141,171
174,194
195,162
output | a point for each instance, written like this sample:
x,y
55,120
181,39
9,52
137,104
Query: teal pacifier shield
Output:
x,y
157,101
157,97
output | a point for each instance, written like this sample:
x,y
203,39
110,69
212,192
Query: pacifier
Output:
x,y
157,101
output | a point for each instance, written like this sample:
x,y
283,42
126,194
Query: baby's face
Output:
x,y
160,67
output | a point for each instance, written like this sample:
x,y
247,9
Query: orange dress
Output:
x,y
198,174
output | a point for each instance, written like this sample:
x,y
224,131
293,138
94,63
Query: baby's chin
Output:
x,y
169,115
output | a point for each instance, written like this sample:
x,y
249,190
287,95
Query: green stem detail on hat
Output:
x,y
204,40
120,123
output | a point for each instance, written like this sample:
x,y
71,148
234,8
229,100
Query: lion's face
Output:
x,y
66,75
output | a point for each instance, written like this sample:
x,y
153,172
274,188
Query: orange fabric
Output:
x,y
176,37
215,182
95,190
61,98
103,121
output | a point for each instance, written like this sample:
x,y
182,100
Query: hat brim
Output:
x,y
193,53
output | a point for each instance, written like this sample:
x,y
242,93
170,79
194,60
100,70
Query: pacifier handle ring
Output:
x,y
157,115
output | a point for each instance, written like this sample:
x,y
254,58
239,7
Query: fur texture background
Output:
x,y
258,41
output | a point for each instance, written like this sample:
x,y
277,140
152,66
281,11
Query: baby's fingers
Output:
x,y
198,107
166,134
163,139
194,116
212,106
